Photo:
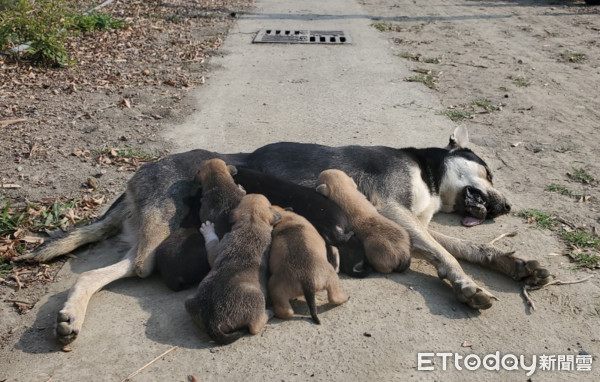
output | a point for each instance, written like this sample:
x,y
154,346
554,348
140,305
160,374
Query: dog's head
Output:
x,y
466,186
255,208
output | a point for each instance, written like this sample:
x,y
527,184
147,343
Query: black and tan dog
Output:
x,y
386,244
406,185
298,266
233,295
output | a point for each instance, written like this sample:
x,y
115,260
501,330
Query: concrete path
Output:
x,y
336,95
329,94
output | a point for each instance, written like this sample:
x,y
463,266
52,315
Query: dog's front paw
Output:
x,y
473,295
67,327
531,272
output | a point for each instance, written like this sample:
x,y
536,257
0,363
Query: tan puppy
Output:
x,y
220,194
234,293
387,245
298,265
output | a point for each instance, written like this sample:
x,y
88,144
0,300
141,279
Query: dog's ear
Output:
x,y
459,138
276,216
232,170
323,189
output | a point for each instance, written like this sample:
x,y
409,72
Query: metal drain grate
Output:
x,y
288,36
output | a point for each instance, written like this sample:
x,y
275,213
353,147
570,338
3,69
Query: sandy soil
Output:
x,y
524,73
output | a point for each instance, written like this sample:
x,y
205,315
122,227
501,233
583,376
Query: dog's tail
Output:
x,y
108,225
309,295
214,331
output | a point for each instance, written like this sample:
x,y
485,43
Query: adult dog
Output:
x,y
407,186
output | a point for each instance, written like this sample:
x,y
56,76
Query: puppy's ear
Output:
x,y
459,138
323,189
232,170
276,217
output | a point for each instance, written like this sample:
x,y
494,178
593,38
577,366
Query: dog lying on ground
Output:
x,y
298,266
386,244
406,185
234,293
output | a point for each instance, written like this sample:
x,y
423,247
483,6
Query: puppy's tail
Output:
x,y
108,225
309,295
214,331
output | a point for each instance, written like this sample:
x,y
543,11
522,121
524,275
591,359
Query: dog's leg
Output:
x,y
108,225
211,241
153,231
487,255
447,266
70,318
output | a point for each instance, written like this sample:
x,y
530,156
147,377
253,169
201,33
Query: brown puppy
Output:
x,y
220,194
387,245
298,265
234,293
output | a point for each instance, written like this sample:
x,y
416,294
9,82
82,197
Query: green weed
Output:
x,y
582,239
97,21
580,175
485,104
541,219
559,189
572,57
457,115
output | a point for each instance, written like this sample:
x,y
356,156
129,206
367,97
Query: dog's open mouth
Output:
x,y
475,207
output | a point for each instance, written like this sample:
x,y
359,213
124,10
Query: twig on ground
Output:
x,y
527,288
148,364
509,234
15,276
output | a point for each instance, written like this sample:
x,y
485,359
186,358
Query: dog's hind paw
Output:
x,y
474,296
66,327
531,272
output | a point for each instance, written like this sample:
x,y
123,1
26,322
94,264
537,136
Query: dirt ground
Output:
x,y
521,75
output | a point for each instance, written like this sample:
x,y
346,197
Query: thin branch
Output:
x,y
527,288
148,364
509,234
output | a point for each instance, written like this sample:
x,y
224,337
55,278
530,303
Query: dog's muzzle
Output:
x,y
478,206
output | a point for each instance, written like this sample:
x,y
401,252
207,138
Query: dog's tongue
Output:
x,y
470,221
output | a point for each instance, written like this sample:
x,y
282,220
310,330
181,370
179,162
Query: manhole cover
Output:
x,y
290,36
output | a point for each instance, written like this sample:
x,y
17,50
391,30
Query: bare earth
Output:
x,y
524,73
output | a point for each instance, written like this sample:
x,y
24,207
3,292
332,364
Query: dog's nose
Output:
x,y
506,207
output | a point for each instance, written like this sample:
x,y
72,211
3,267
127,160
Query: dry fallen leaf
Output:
x,y
465,344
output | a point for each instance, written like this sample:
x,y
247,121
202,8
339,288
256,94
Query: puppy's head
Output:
x,y
332,180
255,208
215,167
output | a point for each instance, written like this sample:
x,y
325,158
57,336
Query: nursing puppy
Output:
x,y
298,266
220,194
233,295
386,244
344,251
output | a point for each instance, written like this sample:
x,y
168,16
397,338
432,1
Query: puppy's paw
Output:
x,y
67,327
531,272
207,228
473,295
